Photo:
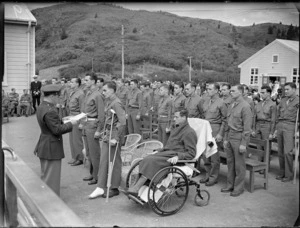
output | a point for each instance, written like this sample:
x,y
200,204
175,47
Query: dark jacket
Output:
x,y
35,88
50,144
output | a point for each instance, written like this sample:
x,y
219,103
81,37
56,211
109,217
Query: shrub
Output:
x,y
63,34
67,56
89,49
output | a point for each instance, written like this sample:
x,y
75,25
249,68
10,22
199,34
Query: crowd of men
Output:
x,y
235,113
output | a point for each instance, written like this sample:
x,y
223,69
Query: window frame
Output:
x,y
254,76
277,58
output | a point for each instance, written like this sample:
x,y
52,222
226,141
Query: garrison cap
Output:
x,y
52,88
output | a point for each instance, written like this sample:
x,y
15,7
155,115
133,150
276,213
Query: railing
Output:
x,y
29,201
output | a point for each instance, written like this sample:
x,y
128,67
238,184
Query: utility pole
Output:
x,y
93,57
190,70
144,68
123,68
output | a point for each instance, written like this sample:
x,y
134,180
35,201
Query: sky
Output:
x,y
238,14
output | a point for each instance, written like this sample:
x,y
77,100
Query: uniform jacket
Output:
x,y
35,88
147,101
288,112
178,102
192,104
50,144
26,98
134,100
122,93
75,101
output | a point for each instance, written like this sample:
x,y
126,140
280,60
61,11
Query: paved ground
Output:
x,y
277,206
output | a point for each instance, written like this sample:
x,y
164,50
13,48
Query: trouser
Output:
x,y
27,106
35,99
104,164
262,132
134,126
84,139
212,163
235,162
163,136
76,143
286,144
12,107
50,173
93,146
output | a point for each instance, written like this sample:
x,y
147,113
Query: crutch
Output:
x,y
296,148
110,164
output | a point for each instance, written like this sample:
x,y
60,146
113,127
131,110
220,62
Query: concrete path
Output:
x,y
277,206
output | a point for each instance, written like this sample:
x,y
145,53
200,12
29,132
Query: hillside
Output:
x,y
76,33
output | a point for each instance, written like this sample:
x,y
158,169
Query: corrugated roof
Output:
x,y
18,13
290,43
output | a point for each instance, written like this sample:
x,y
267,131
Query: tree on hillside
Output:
x,y
278,35
266,42
134,30
290,33
191,25
270,30
96,15
253,25
63,34
219,26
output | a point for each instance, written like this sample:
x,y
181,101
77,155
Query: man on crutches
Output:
x,y
109,175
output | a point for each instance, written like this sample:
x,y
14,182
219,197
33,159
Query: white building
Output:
x,y
278,61
19,47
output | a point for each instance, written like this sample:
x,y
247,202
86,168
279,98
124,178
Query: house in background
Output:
x,y
276,63
19,47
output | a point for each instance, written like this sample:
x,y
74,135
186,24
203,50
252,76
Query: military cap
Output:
x,y
53,88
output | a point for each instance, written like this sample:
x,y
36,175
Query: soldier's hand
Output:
x,y
97,135
167,130
275,134
57,105
219,138
253,133
270,136
242,149
126,116
226,144
138,117
80,126
113,142
146,114
173,160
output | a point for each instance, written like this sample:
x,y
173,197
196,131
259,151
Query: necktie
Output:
x,y
263,104
288,101
233,104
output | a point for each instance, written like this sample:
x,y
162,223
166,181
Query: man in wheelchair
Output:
x,y
181,145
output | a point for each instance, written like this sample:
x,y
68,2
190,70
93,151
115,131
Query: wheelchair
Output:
x,y
168,190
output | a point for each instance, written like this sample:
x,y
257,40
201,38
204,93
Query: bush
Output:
x,y
63,34
67,56
71,71
89,49
134,30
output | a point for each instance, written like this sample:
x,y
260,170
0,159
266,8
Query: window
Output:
x,y
275,59
296,76
254,76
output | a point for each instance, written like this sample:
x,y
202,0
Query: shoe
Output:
x,y
93,182
112,193
210,183
78,162
96,193
235,194
18,115
88,178
225,190
72,161
279,177
286,179
204,180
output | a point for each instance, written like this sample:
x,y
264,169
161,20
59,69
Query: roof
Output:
x,y
18,13
290,44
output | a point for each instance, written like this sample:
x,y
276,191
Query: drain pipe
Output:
x,y
28,55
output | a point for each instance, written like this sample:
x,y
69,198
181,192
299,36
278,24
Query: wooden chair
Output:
x,y
254,161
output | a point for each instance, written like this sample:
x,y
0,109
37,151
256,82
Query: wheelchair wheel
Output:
x,y
133,174
202,199
168,191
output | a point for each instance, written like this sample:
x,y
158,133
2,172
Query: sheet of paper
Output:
x,y
77,117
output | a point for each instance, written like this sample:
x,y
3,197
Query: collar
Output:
x,y
113,97
214,97
292,98
180,126
239,100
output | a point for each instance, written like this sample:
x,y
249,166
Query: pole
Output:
x,y
2,196
190,69
123,68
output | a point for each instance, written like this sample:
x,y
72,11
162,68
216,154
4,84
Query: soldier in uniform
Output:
x,y
178,100
236,139
215,111
164,114
93,106
122,91
100,83
225,93
288,109
264,116
248,99
192,101
133,108
49,148
14,101
74,105
25,102
63,99
117,128
35,88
